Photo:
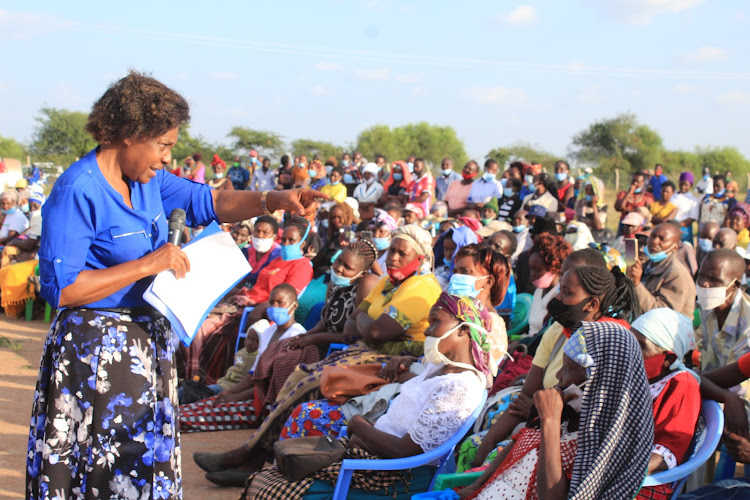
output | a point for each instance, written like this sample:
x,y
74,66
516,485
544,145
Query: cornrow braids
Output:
x,y
615,291
366,251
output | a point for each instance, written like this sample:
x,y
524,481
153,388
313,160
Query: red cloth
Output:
x,y
561,191
297,272
641,200
744,364
676,411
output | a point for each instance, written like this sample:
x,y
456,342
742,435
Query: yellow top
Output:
x,y
661,209
337,192
544,351
409,303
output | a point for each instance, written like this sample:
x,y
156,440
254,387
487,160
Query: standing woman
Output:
x,y
103,421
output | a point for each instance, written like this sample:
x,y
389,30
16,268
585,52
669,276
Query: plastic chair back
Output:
x,y
442,457
243,328
705,446
520,318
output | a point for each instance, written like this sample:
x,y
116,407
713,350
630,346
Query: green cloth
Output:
x,y
493,204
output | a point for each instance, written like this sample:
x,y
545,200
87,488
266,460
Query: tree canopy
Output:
x,y
60,136
10,148
264,142
524,152
619,142
431,142
310,147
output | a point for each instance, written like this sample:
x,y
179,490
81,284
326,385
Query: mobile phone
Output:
x,y
631,251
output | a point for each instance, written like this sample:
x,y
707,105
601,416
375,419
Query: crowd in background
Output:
x,y
643,318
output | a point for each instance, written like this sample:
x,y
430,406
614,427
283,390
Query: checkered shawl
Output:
x,y
269,484
616,433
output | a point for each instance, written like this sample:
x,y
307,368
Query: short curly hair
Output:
x,y
136,107
552,249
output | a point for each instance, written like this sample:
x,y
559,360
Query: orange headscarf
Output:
x,y
405,182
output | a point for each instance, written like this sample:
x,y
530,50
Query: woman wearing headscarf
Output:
x,y
389,322
396,188
590,436
578,235
382,225
589,291
443,396
589,205
341,223
543,192
446,247
14,222
738,218
665,336
219,180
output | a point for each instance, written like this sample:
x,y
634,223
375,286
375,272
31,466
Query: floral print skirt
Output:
x,y
103,423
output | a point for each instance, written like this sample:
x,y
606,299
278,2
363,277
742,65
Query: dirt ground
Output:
x,y
18,371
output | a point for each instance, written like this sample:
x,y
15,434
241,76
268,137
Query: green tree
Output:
x,y
309,148
619,142
722,160
524,152
60,136
431,142
266,143
10,148
188,144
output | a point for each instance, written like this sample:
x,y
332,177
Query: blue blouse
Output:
x,y
88,226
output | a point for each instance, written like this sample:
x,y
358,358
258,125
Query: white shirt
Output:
x,y
705,186
539,308
35,225
523,241
15,221
265,338
432,409
546,200
368,194
687,206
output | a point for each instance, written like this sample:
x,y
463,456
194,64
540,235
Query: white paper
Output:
x,y
216,265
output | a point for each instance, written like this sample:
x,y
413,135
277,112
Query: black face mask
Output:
x,y
567,316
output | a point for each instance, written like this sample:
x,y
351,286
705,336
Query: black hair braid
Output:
x,y
366,251
615,290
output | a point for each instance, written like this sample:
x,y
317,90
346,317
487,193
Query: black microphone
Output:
x,y
176,226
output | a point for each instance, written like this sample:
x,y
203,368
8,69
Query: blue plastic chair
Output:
x,y
442,457
705,446
243,328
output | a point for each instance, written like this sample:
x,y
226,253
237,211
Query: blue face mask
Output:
x,y
398,177
638,191
519,229
561,176
335,183
656,257
504,181
529,180
508,192
575,193
341,280
447,172
345,163
588,197
25,208
410,165
294,251
9,211
720,194
705,244
447,262
382,243
312,172
532,188
464,285
488,176
279,315
348,179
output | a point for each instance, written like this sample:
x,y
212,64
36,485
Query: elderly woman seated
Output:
x,y
588,437
430,408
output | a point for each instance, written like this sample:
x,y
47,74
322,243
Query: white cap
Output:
x,y
372,168
260,326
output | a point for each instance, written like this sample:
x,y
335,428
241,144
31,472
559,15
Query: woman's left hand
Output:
x,y
549,403
297,201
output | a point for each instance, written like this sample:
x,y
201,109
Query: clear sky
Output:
x,y
497,71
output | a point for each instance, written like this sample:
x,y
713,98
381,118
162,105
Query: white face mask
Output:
x,y
433,354
577,401
262,245
710,298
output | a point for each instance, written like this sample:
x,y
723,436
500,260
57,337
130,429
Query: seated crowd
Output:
x,y
621,336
